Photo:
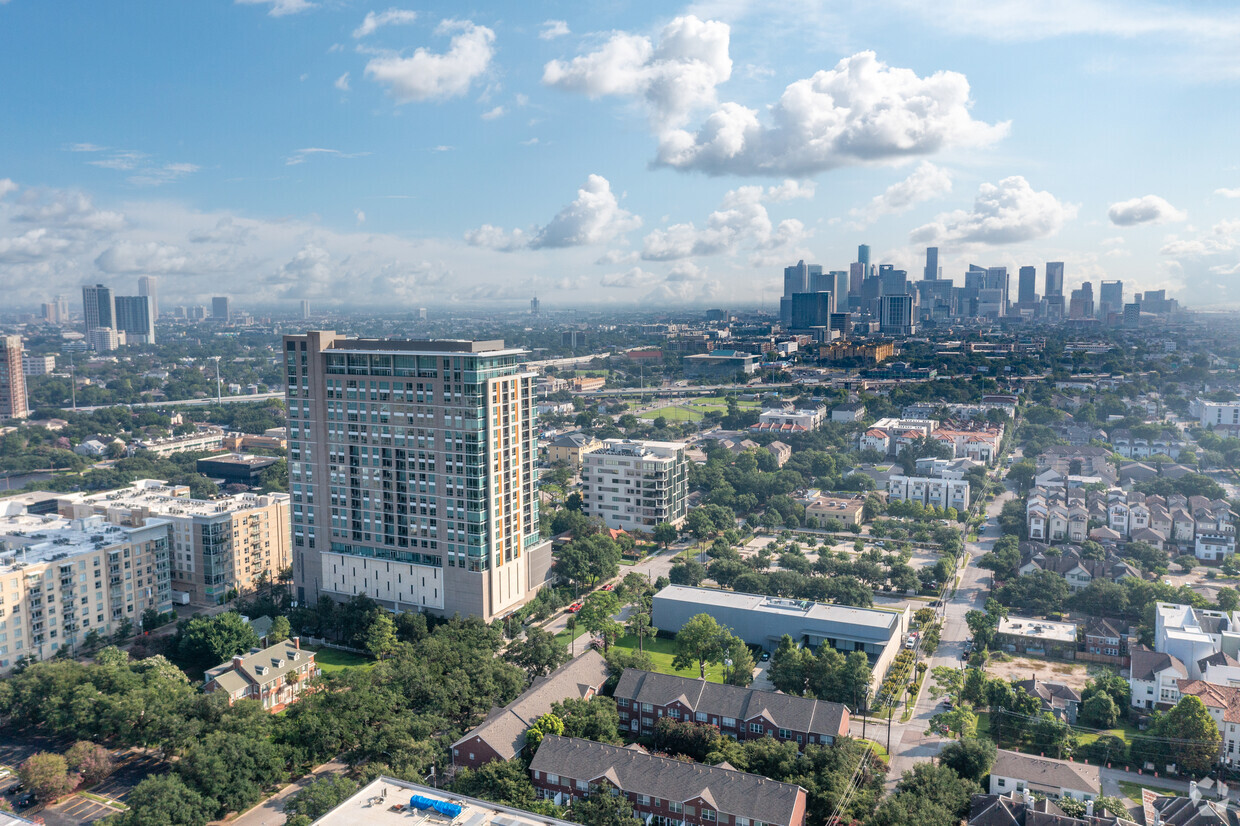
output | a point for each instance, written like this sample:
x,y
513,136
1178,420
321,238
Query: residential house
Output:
x,y
1020,809
502,735
1154,678
1024,635
642,697
781,452
275,675
1135,472
570,447
1059,699
663,790
1044,777
1214,547
848,412
875,439
1105,642
1071,461
847,510
1132,446
1068,563
1223,703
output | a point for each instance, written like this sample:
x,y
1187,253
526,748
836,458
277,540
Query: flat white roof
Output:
x,y
30,538
823,611
1038,629
160,497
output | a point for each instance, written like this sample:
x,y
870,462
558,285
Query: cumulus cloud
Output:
x,y
1228,193
613,257
1149,209
787,191
492,114
279,8
1222,237
425,75
862,111
595,216
342,82
303,155
149,257
7,186
33,245
68,210
674,77
926,182
227,230
392,17
553,29
1004,213
742,221
631,279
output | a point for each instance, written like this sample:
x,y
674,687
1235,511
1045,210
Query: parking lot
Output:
x,y
128,774
74,811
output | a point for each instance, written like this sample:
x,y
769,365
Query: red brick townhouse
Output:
x,y
502,735
663,791
642,697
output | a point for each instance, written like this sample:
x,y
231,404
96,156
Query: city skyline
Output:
x,y
623,156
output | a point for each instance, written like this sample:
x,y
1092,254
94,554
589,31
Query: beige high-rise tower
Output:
x,y
411,471
12,380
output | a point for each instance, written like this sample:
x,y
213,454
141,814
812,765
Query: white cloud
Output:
x,y
391,17
492,114
594,217
227,230
1223,237
741,222
86,147
925,183
303,155
1228,193
425,75
342,82
33,245
7,186
613,257
360,216
150,257
279,8
862,111
631,279
1145,210
67,210
160,175
787,191
146,172
1004,213
674,78
553,29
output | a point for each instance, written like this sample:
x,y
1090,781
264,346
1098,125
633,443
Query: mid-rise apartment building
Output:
x,y
38,365
12,379
945,493
411,470
217,545
205,439
635,485
61,579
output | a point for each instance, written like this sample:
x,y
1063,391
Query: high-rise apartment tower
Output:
x,y
13,403
98,307
411,469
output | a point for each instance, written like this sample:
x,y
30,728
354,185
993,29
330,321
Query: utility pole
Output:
x,y
72,381
218,392
892,713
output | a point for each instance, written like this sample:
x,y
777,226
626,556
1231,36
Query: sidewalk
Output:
x,y
271,811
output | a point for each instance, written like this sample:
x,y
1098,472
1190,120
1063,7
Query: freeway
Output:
x,y
252,397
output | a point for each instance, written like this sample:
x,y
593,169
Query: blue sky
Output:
x,y
612,153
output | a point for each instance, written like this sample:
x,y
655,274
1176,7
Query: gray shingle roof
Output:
x,y
263,666
1146,663
1013,810
504,729
783,710
739,794
1043,772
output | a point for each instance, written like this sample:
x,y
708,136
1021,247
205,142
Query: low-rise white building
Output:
x,y
945,493
1154,678
1214,547
635,485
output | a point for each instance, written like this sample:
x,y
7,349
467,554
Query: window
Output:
x,y
674,807
708,814
756,728
647,707
1002,782
729,722
674,713
581,784
785,734
553,779
701,717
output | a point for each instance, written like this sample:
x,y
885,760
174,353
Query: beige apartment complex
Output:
x,y
411,471
217,544
61,579
635,485
12,379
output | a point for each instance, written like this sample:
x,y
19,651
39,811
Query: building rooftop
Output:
x,y
376,804
444,345
172,500
1038,629
249,460
261,665
1046,772
643,448
877,623
30,539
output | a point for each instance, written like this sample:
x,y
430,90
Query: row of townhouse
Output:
x,y
1131,446
1085,460
891,436
1068,562
1057,514
663,791
643,697
945,493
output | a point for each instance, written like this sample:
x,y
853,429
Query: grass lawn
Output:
x,y
1133,790
673,414
332,660
662,651
565,637
1125,732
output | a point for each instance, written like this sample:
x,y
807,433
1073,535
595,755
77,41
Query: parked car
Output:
x,y
609,586
574,608
766,655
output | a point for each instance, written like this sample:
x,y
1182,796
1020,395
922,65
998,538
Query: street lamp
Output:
x,y
727,663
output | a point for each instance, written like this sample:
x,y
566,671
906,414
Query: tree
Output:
x,y
929,795
640,626
232,768
665,534
546,724
740,672
320,797
90,760
381,635
280,630
974,688
603,809
1192,738
1003,559
593,719
504,781
958,721
1112,684
1228,599
1099,711
208,641
1039,593
47,775
787,671
982,626
699,641
970,757
587,560
538,654
687,572
164,800
596,614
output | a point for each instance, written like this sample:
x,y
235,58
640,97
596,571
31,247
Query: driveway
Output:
x,y
271,811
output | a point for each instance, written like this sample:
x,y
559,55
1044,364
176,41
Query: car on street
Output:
x,y
766,655
609,586
574,608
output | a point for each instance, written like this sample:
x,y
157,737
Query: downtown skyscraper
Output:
x,y
411,471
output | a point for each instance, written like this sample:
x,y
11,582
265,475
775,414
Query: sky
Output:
x,y
625,154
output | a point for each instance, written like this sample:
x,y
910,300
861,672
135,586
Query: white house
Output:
x,y
1154,678
1214,547
1053,779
